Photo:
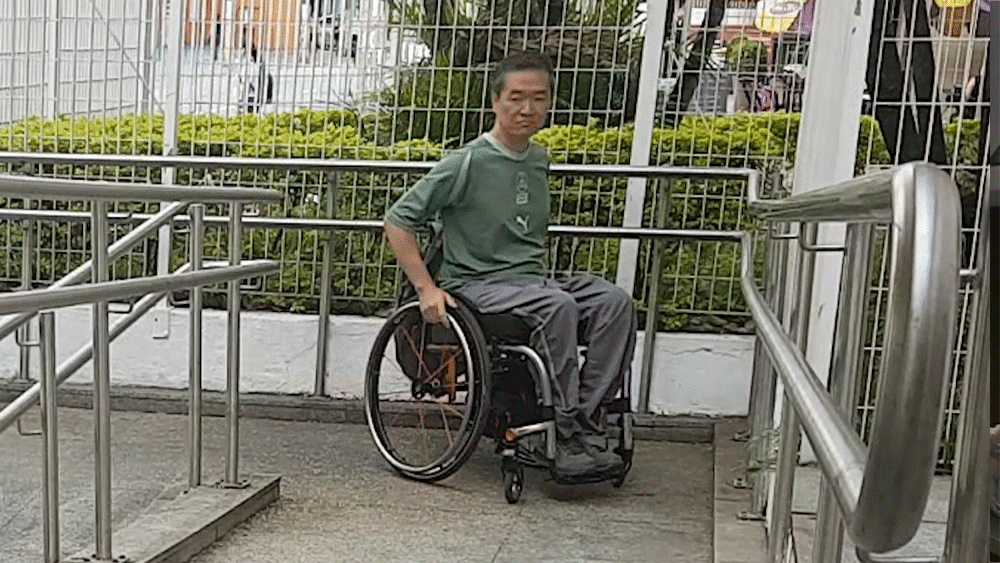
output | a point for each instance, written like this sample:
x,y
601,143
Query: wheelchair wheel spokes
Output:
x,y
424,394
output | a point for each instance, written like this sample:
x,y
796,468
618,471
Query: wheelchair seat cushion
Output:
x,y
506,327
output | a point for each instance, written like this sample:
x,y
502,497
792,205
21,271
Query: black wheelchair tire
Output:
x,y
480,367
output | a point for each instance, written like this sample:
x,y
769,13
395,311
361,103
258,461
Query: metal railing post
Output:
x,y
233,350
23,335
653,301
967,536
790,440
102,383
762,409
50,439
760,360
791,433
844,370
197,241
323,324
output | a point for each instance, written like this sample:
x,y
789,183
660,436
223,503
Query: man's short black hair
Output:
x,y
521,60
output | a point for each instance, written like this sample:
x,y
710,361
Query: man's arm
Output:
x,y
432,298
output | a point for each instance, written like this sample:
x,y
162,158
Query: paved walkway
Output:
x,y
340,502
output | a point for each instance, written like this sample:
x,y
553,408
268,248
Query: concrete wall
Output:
x,y
695,374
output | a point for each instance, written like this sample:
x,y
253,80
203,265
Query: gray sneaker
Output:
x,y
607,461
573,459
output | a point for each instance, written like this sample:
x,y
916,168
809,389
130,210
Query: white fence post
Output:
x,y
827,146
174,10
53,46
645,115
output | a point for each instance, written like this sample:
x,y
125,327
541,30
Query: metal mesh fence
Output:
x,y
928,83
404,80
400,79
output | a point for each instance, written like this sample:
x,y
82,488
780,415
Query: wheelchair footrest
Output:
x,y
589,477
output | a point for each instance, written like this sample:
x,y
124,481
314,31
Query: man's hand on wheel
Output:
x,y
432,304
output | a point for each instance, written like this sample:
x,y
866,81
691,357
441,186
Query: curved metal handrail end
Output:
x,y
862,199
882,510
919,337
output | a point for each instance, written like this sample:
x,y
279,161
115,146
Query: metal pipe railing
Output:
x,y
102,378
845,368
197,243
790,432
323,326
882,510
99,293
967,536
24,303
383,166
71,365
649,333
377,226
115,251
38,299
762,421
233,349
50,439
50,188
22,335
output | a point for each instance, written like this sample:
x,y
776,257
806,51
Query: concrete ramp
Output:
x,y
662,513
340,502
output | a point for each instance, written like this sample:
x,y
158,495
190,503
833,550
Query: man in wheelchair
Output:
x,y
492,200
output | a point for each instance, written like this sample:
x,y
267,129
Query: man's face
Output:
x,y
521,108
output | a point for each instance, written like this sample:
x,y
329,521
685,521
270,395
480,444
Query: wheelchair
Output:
x,y
432,391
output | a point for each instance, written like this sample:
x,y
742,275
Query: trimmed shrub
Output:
x,y
700,280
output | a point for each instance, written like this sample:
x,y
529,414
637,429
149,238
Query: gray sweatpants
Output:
x,y
581,310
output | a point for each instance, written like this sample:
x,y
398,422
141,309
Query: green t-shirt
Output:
x,y
495,223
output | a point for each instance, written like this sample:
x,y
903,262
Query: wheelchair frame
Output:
x,y
494,346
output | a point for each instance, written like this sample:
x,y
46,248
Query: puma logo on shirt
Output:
x,y
523,221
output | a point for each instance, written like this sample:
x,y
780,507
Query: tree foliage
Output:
x,y
596,55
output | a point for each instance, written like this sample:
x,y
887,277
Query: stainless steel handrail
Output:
x,y
882,510
50,188
862,199
339,165
38,299
23,304
118,249
920,202
13,411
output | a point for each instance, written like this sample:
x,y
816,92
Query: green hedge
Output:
x,y
962,142
701,294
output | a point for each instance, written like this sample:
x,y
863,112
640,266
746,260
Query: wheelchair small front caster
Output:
x,y
513,484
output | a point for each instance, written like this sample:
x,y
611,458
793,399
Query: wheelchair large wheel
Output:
x,y
426,392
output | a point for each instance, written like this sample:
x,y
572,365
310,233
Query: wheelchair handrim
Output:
x,y
375,425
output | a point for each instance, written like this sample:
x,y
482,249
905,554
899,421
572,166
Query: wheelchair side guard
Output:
x,y
538,371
